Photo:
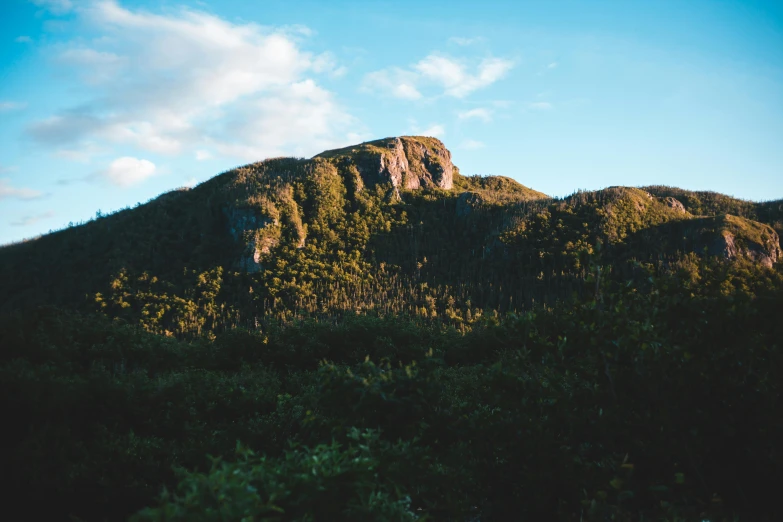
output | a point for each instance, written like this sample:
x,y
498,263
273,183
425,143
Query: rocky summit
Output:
x,y
408,162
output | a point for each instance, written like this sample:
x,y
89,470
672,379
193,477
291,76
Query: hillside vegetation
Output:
x,y
371,335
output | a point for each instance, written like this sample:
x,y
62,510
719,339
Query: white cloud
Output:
x,y
89,57
406,91
23,39
327,63
453,76
552,65
128,171
476,114
540,105
11,106
203,155
191,182
443,70
31,220
472,144
465,41
300,120
181,82
7,191
435,130
96,66
398,82
57,7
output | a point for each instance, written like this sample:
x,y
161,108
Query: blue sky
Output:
x,y
104,104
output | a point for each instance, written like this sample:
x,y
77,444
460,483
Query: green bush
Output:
x,y
327,482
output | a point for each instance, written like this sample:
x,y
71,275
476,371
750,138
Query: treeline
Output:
x,y
352,352
449,257
654,403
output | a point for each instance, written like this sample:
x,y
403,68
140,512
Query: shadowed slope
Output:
x,y
388,225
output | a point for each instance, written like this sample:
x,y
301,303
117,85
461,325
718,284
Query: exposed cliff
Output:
x,y
734,237
408,162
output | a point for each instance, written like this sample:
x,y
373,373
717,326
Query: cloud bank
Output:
x,y
193,83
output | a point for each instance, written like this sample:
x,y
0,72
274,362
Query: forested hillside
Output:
x,y
371,335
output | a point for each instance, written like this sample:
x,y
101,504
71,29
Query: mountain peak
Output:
x,y
408,162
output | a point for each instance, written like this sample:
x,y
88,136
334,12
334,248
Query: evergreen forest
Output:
x,y
370,334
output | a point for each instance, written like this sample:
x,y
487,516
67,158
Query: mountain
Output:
x,y
366,228
369,334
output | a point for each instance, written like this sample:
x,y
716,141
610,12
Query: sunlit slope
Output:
x,y
389,225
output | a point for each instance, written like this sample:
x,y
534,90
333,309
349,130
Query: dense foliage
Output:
x,y
288,342
660,404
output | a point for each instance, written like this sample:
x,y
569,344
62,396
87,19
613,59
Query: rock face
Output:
x,y
245,225
391,167
429,164
674,204
408,162
728,247
740,237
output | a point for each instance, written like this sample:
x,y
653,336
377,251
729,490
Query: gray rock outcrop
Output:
x,y
247,226
739,237
408,162
728,247
674,204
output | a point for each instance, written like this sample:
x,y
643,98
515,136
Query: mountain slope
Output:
x,y
358,340
388,225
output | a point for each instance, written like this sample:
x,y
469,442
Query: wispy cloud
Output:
x,y
460,40
23,39
56,7
31,220
472,144
203,155
453,76
476,114
11,106
395,81
435,130
188,80
548,68
9,192
83,153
